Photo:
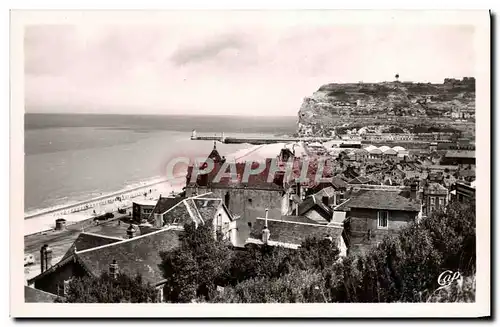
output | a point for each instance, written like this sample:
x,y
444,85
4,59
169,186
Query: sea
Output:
x,y
77,157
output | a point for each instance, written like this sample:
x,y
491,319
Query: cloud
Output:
x,y
261,69
207,50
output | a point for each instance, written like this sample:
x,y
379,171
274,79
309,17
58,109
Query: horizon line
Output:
x,y
157,114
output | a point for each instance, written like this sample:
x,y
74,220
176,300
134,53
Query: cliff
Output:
x,y
406,105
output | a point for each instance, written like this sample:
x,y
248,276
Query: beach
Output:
x,y
76,212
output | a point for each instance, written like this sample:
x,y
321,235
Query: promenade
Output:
x,y
44,220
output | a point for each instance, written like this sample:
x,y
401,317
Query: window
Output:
x,y
441,201
383,219
433,200
148,210
159,295
66,287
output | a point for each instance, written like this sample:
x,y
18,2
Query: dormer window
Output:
x,y
383,219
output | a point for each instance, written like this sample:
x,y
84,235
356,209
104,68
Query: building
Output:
x,y
291,231
32,295
374,212
434,198
360,180
316,207
140,254
244,198
199,210
464,192
163,204
459,157
142,209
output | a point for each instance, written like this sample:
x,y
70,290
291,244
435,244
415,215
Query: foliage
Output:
x,y
403,268
296,286
462,291
105,289
192,270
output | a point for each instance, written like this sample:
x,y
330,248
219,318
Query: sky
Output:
x,y
240,68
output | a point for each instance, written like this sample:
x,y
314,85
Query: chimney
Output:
x,y
131,231
413,190
113,269
297,185
265,232
45,257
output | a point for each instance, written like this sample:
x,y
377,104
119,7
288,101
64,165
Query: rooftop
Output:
x,y
294,230
86,241
460,154
136,255
165,203
380,199
33,295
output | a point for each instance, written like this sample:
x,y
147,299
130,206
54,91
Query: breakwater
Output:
x,y
259,140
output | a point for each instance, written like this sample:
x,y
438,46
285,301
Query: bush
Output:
x,y
105,289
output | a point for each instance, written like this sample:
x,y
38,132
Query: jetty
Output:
x,y
259,140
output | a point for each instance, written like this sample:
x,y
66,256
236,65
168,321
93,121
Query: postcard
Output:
x,y
308,163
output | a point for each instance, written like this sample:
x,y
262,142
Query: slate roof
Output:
x,y
178,214
460,154
136,255
207,208
380,199
165,203
197,209
255,181
86,241
360,180
327,191
435,188
290,232
145,229
214,155
339,183
312,202
33,295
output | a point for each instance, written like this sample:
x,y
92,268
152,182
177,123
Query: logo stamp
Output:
x,y
448,277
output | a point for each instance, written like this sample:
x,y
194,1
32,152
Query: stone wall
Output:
x,y
363,231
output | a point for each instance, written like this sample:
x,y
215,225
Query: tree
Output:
x,y
195,268
405,267
106,289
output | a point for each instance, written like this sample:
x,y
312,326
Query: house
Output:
x,y
362,180
199,210
130,256
244,198
291,231
464,192
317,208
334,189
434,197
32,295
372,212
459,157
162,205
142,209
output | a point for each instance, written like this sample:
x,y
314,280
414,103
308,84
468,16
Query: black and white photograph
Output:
x,y
182,159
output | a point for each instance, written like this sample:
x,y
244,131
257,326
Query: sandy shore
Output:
x,y
45,222
40,230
